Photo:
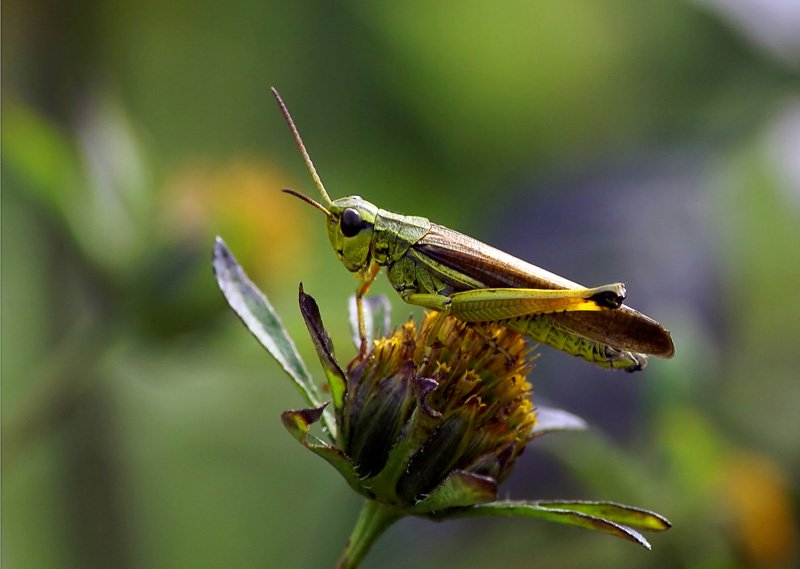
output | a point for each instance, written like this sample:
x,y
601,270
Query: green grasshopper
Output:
x,y
443,270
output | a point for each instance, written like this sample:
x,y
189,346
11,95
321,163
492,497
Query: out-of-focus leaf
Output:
x,y
549,420
298,424
98,187
376,309
115,215
562,516
459,489
40,156
263,322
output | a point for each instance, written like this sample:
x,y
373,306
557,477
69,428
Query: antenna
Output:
x,y
308,200
302,148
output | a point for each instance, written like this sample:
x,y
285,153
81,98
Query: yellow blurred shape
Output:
x,y
241,201
760,501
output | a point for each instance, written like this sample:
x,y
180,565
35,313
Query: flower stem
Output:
x,y
373,520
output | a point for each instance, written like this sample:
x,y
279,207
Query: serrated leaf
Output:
x,y
562,516
255,311
324,346
298,423
459,489
619,513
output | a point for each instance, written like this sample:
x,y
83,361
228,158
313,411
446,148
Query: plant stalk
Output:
x,y
373,520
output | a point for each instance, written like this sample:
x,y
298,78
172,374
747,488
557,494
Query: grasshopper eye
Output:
x,y
351,223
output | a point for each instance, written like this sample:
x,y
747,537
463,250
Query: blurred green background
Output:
x,y
652,143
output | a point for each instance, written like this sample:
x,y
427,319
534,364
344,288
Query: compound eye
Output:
x,y
351,222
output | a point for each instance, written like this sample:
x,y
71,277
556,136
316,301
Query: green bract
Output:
x,y
427,422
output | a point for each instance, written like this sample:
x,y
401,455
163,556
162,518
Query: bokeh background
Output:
x,y
652,143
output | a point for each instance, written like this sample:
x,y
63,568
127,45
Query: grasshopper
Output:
x,y
443,270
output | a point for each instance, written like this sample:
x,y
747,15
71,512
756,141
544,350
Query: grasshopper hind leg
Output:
x,y
584,348
619,359
610,296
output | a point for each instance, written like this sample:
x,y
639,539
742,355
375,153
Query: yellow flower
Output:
x,y
460,404
427,422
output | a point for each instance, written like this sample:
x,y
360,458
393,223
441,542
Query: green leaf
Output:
x,y
298,423
263,322
324,346
550,420
619,513
97,184
459,489
41,157
558,515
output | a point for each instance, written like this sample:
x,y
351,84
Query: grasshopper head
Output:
x,y
351,224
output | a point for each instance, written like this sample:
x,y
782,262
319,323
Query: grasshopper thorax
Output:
x,y
351,226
